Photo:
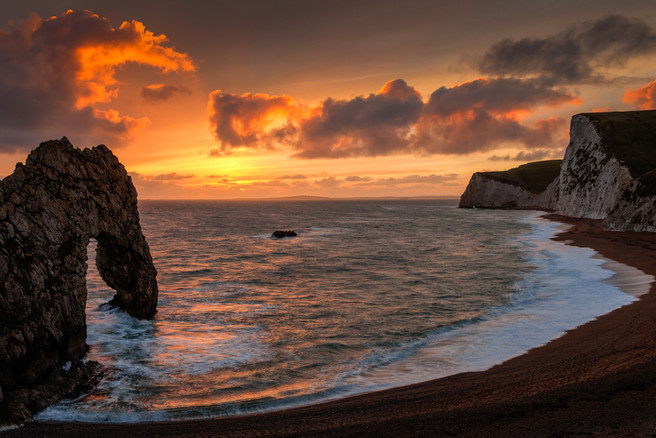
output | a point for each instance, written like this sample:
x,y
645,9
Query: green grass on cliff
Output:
x,y
534,177
630,136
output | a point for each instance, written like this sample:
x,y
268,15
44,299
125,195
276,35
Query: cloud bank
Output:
x,y
468,117
521,77
55,73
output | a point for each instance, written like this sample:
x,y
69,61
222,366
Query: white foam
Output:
x,y
569,287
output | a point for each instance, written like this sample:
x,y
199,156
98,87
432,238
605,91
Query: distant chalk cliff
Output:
x,y
532,185
608,172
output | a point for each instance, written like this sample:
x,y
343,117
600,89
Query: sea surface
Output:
x,y
370,294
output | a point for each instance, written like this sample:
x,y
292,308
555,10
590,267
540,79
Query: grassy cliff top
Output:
x,y
534,177
630,136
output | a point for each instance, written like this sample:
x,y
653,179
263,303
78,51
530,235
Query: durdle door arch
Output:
x,y
51,207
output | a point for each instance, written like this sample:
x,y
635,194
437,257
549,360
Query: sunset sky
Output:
x,y
251,99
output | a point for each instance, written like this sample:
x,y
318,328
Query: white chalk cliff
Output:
x,y
608,172
530,186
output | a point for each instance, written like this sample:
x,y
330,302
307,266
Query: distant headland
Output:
x,y
608,173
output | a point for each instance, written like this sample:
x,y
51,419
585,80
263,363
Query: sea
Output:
x,y
370,294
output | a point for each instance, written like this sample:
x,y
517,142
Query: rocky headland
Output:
x,y
50,208
532,185
608,173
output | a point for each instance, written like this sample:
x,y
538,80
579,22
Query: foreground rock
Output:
x,y
609,173
532,185
49,209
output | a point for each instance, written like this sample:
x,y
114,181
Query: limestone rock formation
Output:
x,y
49,209
532,185
609,170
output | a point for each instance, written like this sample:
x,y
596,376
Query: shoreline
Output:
x,y
597,378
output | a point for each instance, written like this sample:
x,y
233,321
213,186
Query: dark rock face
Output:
x,y
281,234
49,209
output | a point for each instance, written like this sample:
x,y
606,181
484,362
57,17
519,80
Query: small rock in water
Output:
x,y
281,234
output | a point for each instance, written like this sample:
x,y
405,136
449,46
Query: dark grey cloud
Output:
x,y
576,55
158,92
495,95
469,117
374,125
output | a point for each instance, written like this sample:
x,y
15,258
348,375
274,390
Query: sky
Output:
x,y
261,99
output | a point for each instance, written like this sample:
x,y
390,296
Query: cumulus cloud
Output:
x,y
473,116
55,72
251,120
485,113
576,55
497,96
643,98
157,92
378,124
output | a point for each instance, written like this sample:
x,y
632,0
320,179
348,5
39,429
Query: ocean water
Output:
x,y
371,294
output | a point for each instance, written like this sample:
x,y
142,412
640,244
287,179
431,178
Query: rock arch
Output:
x,y
50,208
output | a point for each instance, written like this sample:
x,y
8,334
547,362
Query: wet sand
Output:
x,y
597,379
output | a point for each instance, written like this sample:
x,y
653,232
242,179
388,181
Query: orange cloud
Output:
x,y
473,116
131,42
55,71
398,89
252,120
643,98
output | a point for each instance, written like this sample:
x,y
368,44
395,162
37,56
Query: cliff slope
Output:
x,y
532,185
49,209
609,170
